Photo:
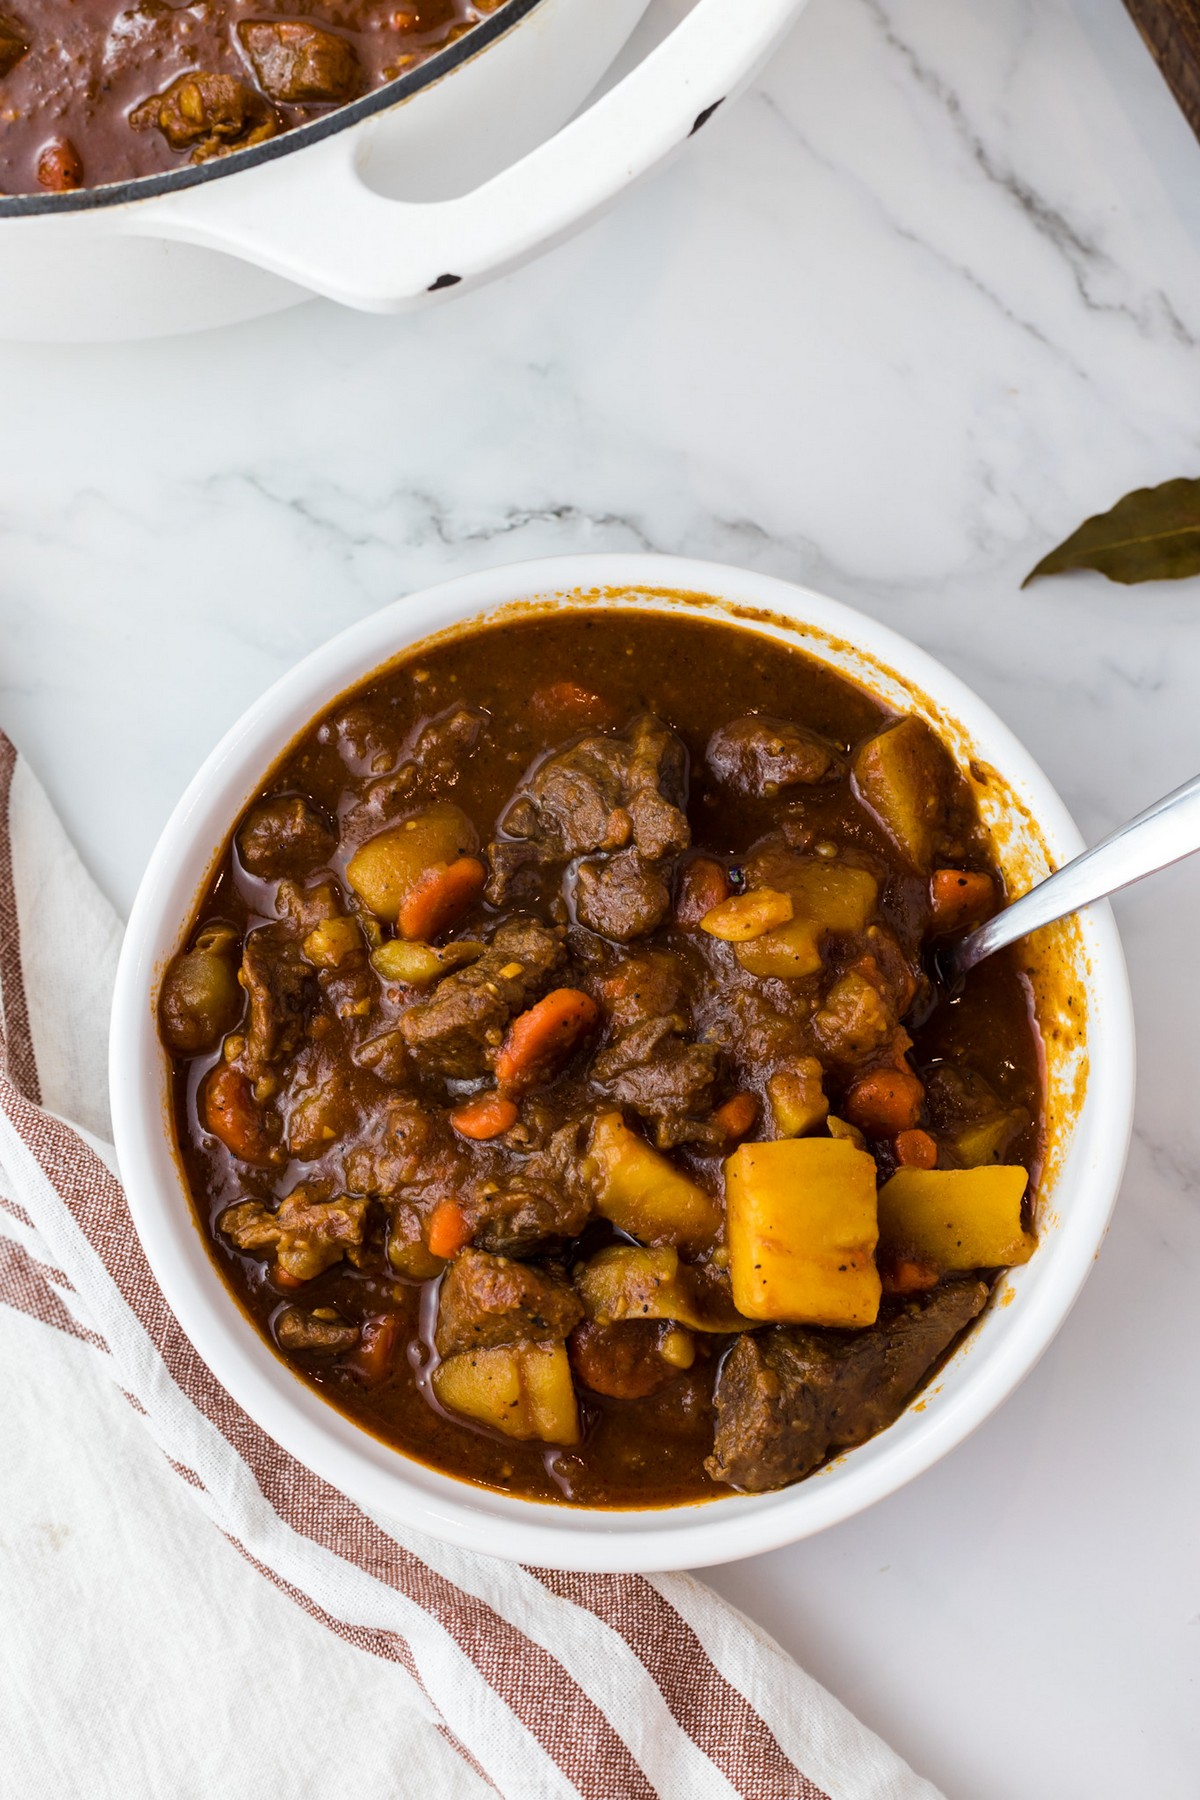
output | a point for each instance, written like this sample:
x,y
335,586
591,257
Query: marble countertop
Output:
x,y
897,322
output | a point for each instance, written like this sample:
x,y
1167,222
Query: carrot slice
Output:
x,y
565,704
283,1278
484,1117
374,1354
441,897
885,1102
960,897
702,886
449,1229
916,1150
908,1275
736,1117
544,1036
231,1115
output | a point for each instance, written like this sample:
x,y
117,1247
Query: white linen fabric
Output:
x,y
339,1653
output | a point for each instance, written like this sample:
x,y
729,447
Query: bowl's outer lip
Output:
x,y
352,1461
342,118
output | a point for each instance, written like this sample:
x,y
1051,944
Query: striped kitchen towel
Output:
x,y
547,1685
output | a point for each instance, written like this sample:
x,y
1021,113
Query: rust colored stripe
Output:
x,y
388,1645
718,1719
544,1698
23,1287
22,1065
10,1206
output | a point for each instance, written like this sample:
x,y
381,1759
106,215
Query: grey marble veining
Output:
x,y
899,320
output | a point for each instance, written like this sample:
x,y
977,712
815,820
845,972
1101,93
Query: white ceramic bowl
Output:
x,y
1090,1083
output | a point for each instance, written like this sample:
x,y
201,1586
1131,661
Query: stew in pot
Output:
x,y
555,1077
99,92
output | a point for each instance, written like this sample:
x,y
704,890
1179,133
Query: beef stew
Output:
x,y
555,1080
101,93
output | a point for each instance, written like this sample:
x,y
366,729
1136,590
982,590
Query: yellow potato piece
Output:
x,y
797,1096
385,870
644,1193
789,952
626,1282
956,1218
523,1390
832,894
747,916
904,774
801,1227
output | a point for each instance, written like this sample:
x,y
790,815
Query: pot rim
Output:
x,y
435,68
980,1375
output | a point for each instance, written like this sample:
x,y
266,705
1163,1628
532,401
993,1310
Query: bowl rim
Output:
x,y
482,35
348,1457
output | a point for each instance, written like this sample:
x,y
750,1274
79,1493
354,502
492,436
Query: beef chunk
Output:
x,y
284,835
760,757
622,897
459,1028
403,1145
12,46
539,1208
654,1072
307,1235
787,1397
297,63
209,113
623,1361
296,1329
486,1300
650,1066
600,794
282,989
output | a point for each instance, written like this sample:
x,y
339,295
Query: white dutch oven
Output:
x,y
310,212
1089,1083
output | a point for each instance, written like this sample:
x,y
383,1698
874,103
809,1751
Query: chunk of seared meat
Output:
x,y
209,113
486,1300
282,990
459,1028
653,1071
402,1145
308,1235
296,1329
601,794
540,1206
761,757
283,833
621,897
787,1398
432,761
650,1065
296,62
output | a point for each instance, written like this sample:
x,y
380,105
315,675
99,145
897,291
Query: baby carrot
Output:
x,y
884,1102
484,1117
441,897
960,897
544,1036
449,1229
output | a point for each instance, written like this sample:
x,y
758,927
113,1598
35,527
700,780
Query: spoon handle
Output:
x,y
1165,833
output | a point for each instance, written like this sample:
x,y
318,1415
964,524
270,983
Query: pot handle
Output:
x,y
320,225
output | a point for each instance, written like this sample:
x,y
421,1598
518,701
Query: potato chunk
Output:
x,y
643,1193
625,1282
904,775
797,1096
834,895
387,869
801,1224
788,953
956,1218
524,1390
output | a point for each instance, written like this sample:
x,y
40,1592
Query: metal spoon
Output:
x,y
1164,834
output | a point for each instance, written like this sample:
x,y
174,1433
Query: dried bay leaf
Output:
x,y
1152,534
